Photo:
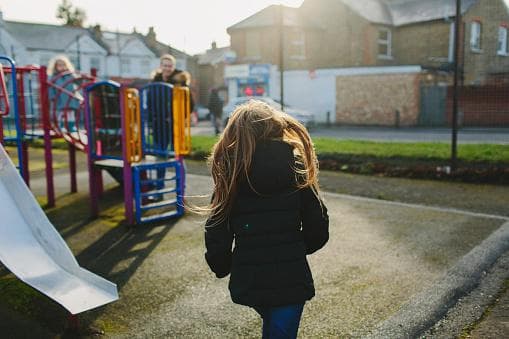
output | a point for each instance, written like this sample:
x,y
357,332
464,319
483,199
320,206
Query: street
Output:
x,y
465,135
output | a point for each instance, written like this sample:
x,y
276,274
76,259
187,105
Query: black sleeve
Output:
x,y
218,242
315,221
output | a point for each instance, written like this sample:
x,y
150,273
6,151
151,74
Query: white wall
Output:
x,y
88,49
9,44
141,60
316,92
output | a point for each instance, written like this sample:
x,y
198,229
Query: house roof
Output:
x,y
213,56
403,12
57,38
372,10
419,11
159,49
269,16
116,41
44,36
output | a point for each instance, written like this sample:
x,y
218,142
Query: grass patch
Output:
x,y
421,151
486,163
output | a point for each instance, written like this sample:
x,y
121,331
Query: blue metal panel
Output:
x,y
19,130
165,192
104,120
157,119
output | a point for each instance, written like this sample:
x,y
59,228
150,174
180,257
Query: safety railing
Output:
x,y
181,120
132,125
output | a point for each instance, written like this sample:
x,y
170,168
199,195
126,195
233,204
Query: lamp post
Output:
x,y
281,57
454,141
78,59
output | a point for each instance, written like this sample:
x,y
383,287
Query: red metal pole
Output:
x,y
48,156
92,175
1,130
72,167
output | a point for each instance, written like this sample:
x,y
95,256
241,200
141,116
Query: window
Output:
x,y
253,44
145,66
384,43
452,31
297,44
502,41
125,66
475,36
95,62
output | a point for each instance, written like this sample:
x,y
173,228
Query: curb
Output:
x,y
429,306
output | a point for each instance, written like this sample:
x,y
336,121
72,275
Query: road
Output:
x,y
465,135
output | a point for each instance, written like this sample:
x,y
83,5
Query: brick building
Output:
x,y
337,34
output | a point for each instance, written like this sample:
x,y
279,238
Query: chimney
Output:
x,y
96,30
151,36
214,45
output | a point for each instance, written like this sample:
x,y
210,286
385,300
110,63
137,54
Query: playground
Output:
x,y
397,259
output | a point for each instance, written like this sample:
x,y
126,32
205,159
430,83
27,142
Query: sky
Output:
x,y
188,25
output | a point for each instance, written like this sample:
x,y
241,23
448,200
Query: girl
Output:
x,y
62,94
266,199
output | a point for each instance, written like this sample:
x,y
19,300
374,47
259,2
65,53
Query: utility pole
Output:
x,y
281,57
454,141
78,53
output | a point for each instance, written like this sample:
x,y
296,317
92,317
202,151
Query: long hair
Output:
x,y
52,63
231,156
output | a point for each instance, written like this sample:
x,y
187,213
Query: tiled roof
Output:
x,y
269,16
386,12
161,49
58,38
116,41
44,36
213,56
403,12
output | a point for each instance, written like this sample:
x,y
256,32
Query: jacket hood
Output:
x,y
272,168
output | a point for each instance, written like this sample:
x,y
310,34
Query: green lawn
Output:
x,y
420,151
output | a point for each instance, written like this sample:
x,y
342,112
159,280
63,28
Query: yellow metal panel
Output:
x,y
182,120
133,125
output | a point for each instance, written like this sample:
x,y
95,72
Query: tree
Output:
x,y
70,15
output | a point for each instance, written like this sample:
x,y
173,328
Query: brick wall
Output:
x,y
374,99
486,105
479,65
425,44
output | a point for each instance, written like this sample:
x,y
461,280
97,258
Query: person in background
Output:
x,y
62,92
168,73
266,201
215,107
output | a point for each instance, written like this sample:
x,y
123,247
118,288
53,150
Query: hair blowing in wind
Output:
x,y
231,156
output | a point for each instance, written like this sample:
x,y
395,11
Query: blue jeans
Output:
x,y
280,322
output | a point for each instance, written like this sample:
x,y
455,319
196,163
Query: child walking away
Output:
x,y
266,200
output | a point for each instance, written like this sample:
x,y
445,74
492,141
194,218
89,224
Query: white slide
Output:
x,y
33,250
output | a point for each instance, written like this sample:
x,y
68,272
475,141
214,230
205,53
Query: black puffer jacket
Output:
x,y
273,233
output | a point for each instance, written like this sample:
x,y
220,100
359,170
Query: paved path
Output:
x,y
380,255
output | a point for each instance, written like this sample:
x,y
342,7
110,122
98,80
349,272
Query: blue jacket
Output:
x,y
62,98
